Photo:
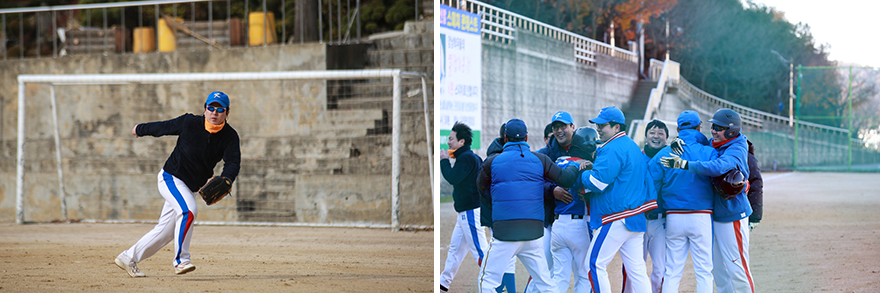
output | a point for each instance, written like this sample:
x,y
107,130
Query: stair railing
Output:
x,y
502,26
755,118
669,74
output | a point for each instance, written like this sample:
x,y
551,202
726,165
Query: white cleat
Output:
x,y
184,267
132,270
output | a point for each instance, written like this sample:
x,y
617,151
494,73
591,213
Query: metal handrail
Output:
x,y
749,115
94,6
104,6
668,74
655,69
585,48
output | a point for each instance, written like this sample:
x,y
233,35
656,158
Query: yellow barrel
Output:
x,y
257,25
143,40
167,40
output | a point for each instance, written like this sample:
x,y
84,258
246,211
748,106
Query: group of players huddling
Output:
x,y
590,193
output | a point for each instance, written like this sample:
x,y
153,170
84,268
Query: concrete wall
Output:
x,y
300,161
536,76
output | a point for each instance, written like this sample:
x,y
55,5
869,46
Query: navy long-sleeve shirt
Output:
x,y
463,177
197,150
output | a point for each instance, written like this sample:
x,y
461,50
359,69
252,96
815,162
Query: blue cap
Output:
x,y
218,97
609,114
563,117
516,128
688,119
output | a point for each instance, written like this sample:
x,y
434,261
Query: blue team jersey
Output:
x,y
577,206
680,189
619,185
732,154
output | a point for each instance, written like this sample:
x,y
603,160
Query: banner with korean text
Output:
x,y
460,73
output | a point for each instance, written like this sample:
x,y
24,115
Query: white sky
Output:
x,y
847,25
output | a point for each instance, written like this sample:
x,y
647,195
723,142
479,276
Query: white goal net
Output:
x,y
319,148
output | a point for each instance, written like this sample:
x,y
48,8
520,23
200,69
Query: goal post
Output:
x,y
54,81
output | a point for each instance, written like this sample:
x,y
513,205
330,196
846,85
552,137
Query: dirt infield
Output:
x,y
820,233
79,257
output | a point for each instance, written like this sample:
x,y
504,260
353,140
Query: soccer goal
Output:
x,y
315,146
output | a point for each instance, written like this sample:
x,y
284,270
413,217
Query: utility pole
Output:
x,y
667,39
790,94
612,34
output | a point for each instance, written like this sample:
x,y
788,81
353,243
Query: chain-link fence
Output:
x,y
837,119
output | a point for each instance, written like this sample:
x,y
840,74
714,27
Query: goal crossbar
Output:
x,y
149,78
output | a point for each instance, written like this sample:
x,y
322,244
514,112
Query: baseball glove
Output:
x,y
216,188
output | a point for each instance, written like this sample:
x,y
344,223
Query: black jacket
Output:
x,y
463,177
756,187
197,150
486,200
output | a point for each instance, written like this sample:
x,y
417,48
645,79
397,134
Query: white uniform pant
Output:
x,y
548,255
731,257
467,235
570,240
175,222
688,232
607,241
530,253
655,247
511,268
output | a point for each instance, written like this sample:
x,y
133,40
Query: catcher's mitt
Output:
x,y
216,188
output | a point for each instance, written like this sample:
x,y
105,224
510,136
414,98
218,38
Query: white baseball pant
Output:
x,y
688,231
731,257
655,247
467,235
607,241
511,268
548,255
175,222
569,243
530,253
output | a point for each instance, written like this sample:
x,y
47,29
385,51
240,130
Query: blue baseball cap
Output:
x,y
609,114
516,128
218,97
688,119
563,117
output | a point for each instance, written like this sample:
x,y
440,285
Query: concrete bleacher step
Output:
x,y
276,169
639,100
348,122
400,58
407,104
406,40
410,50
377,95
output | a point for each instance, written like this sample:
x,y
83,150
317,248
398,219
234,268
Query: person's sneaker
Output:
x,y
132,270
184,267
443,289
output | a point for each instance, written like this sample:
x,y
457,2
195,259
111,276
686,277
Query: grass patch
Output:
x,y
444,198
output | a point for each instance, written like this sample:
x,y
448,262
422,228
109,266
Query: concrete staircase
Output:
x,y
273,197
411,50
349,123
353,138
639,100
